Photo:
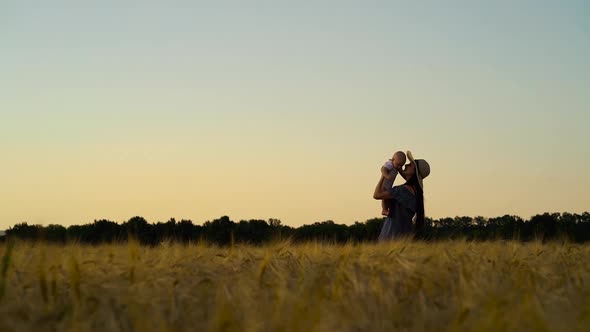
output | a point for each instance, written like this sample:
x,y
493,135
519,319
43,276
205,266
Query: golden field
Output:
x,y
397,286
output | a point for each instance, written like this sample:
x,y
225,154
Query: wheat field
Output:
x,y
397,286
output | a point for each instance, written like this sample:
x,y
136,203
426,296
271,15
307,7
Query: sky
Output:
x,y
288,109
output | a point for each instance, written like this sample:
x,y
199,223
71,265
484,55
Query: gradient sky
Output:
x,y
288,109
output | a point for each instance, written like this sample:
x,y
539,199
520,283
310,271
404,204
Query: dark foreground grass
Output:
x,y
399,286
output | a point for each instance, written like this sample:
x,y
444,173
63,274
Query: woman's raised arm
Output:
x,y
381,193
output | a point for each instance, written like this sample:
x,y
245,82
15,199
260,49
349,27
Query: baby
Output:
x,y
389,172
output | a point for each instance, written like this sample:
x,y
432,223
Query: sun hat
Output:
x,y
422,168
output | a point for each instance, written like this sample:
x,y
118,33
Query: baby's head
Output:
x,y
398,159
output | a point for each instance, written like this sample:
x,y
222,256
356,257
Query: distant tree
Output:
x,y
222,231
253,231
219,231
139,229
24,231
544,226
106,231
186,231
54,233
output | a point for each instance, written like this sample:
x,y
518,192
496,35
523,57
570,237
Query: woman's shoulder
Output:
x,y
403,190
405,196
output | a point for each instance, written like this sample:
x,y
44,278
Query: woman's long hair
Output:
x,y
413,181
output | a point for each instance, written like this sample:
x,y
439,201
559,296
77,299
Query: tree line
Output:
x,y
223,231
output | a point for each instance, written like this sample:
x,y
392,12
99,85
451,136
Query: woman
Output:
x,y
407,200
